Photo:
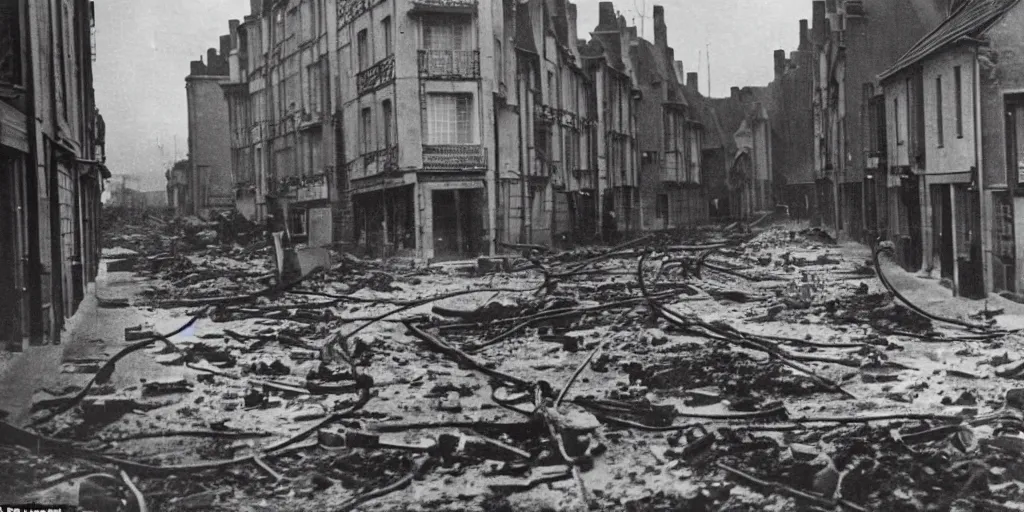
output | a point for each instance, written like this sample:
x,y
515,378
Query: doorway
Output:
x,y
458,223
943,221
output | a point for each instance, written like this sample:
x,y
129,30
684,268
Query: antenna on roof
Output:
x,y
708,48
639,10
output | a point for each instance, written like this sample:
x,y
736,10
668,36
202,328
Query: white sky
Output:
x,y
144,48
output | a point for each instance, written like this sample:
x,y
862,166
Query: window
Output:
x,y
367,120
388,124
445,33
572,150
363,49
297,222
307,20
661,207
552,90
449,119
938,110
959,92
386,30
896,120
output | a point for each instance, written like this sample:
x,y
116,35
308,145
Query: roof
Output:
x,y
970,20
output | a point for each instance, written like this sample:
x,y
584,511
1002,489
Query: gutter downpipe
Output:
x,y
984,200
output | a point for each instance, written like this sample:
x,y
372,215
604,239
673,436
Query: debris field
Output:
x,y
715,369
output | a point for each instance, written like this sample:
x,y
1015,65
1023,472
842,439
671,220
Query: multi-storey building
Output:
x,y
857,39
955,131
444,128
791,109
670,135
416,109
606,60
51,167
280,106
209,180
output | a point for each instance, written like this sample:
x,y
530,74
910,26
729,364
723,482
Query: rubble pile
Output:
x,y
722,371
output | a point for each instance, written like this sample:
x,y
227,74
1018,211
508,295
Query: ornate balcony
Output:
x,y
376,76
381,160
450,64
443,6
454,157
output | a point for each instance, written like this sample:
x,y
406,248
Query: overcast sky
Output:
x,y
144,48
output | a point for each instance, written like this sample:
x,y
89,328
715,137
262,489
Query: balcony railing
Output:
x,y
376,76
444,6
454,157
450,64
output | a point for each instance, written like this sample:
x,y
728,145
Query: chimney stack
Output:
x,y
692,81
805,41
572,20
606,19
225,46
734,93
780,63
680,74
233,31
660,29
819,21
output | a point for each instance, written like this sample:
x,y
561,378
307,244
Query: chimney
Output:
x,y
606,19
780,63
225,46
211,57
819,21
805,41
680,72
233,31
660,29
734,93
692,80
573,24
255,7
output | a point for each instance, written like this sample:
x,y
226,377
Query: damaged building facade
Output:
x,y
451,129
855,41
954,129
207,184
51,167
671,135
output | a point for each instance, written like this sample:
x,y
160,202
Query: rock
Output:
x,y
1015,398
966,398
165,386
106,408
657,337
575,420
804,452
703,396
450,403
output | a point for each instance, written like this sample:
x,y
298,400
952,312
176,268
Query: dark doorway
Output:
x,y
458,223
910,188
12,233
942,207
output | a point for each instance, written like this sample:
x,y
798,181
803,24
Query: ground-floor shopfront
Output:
x,y
422,216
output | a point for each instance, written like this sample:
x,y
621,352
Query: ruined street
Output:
x,y
718,369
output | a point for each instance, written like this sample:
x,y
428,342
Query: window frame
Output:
x,y
363,49
366,128
939,129
959,92
387,114
465,118
387,29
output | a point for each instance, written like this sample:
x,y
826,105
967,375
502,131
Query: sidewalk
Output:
x,y
93,333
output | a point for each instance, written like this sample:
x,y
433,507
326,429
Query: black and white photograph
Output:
x,y
511,255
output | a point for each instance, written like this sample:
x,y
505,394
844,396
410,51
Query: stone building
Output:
x,y
955,132
51,167
854,41
209,180
791,110
281,115
746,133
670,135
606,60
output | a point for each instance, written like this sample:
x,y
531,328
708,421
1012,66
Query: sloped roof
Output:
x,y
970,20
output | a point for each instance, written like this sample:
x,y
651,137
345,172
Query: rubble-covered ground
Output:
x,y
708,370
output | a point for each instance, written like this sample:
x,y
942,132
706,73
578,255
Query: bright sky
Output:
x,y
144,48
